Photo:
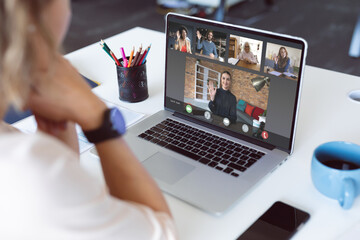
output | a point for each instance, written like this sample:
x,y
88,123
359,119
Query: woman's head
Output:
x,y
225,80
283,53
246,47
183,32
29,30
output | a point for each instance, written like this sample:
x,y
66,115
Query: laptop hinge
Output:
x,y
226,131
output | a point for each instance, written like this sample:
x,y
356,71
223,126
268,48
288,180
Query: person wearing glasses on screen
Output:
x,y
206,45
282,61
182,42
46,192
246,55
222,101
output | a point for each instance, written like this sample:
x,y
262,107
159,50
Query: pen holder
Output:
x,y
132,83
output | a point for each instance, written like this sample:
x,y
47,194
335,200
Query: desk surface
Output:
x,y
325,114
255,67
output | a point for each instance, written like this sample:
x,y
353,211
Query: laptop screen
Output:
x,y
241,81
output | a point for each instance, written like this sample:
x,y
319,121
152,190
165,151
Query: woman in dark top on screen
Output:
x,y
222,101
282,61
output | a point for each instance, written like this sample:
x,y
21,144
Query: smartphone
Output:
x,y
281,221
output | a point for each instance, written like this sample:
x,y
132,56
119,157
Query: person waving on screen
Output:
x,y
222,101
207,45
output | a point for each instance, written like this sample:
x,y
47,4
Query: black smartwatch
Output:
x,y
113,126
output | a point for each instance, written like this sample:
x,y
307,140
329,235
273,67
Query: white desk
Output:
x,y
325,114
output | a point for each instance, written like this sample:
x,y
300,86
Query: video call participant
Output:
x,y
182,42
206,45
247,56
222,101
282,61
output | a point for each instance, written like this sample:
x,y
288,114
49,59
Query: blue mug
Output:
x,y
335,171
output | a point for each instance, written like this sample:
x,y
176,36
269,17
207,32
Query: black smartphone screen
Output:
x,y
279,222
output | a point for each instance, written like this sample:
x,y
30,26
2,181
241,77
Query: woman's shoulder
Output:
x,y
37,145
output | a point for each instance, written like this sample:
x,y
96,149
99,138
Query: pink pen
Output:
x,y
124,57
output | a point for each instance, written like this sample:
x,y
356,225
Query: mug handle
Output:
x,y
348,193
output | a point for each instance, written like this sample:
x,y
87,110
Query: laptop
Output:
x,y
230,109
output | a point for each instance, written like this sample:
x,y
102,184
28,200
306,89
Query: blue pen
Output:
x,y
146,54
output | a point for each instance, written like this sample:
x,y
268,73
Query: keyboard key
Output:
x,y
256,156
182,145
213,164
228,170
219,168
183,152
216,159
233,159
204,160
248,164
234,174
148,138
204,148
245,152
252,160
155,140
225,162
188,147
162,143
229,152
241,162
143,135
149,132
237,167
226,156
209,156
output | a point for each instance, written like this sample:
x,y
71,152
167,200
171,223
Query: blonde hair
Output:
x,y
19,19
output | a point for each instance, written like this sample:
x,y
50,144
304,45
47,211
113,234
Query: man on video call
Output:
x,y
206,45
222,101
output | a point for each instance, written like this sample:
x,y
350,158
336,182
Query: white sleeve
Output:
x,y
77,206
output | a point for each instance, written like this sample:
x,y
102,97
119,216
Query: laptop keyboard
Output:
x,y
214,151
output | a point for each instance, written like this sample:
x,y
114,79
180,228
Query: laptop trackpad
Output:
x,y
166,168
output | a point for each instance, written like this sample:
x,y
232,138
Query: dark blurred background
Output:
x,y
327,25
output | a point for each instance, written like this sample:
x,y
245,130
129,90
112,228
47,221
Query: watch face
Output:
x,y
117,120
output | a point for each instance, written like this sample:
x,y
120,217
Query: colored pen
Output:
x,y
106,46
124,57
105,49
135,58
115,58
131,57
148,49
142,57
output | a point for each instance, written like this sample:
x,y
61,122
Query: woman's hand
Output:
x,y
60,94
276,59
64,131
212,90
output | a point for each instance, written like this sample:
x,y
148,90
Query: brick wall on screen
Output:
x,y
189,91
241,85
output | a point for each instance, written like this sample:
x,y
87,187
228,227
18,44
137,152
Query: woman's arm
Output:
x,y
65,96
